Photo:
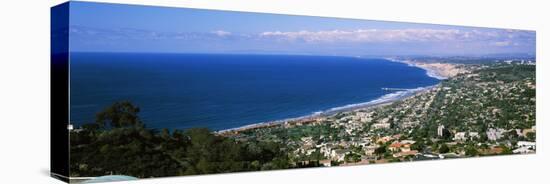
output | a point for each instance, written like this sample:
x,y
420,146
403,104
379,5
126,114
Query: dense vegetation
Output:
x,y
505,102
119,143
498,97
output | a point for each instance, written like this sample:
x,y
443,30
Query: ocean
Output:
x,y
223,91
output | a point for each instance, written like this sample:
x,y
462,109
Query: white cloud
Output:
x,y
502,43
368,35
221,33
465,38
384,35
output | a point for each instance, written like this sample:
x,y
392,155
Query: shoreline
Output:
x,y
378,102
430,72
436,72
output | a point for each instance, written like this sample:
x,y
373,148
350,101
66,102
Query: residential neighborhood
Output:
x,y
488,109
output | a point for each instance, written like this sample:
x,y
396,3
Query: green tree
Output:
x,y
119,114
531,136
380,150
119,143
444,148
471,151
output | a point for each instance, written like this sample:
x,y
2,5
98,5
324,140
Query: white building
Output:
x,y
339,154
381,125
460,136
369,150
523,150
527,144
473,135
494,134
326,163
326,149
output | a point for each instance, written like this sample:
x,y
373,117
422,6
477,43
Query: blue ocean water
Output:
x,y
221,91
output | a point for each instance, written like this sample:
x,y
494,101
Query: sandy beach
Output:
x,y
436,70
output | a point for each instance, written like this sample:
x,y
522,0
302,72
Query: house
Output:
x,y
369,150
310,151
326,163
494,134
525,147
381,125
460,136
405,148
395,146
384,139
344,144
361,143
473,135
518,132
523,150
326,149
308,141
527,144
339,154
408,142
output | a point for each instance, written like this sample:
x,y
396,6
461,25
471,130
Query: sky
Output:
x,y
98,27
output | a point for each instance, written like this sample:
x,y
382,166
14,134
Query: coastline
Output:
x,y
435,70
378,102
431,72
